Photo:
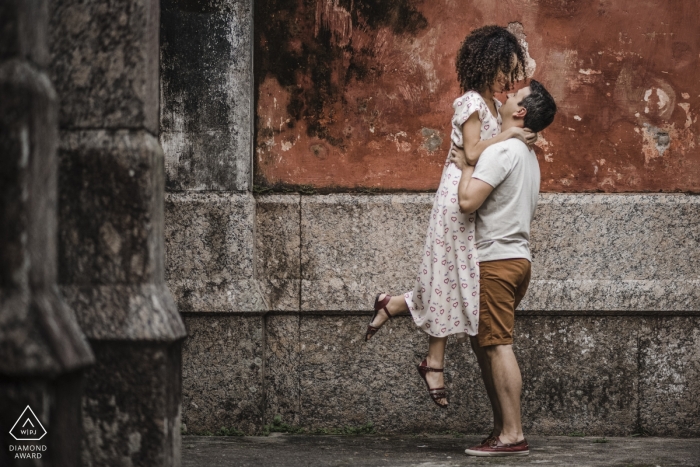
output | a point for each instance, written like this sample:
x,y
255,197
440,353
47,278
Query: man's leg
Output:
x,y
487,377
503,285
508,386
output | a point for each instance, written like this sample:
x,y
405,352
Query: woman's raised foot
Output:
x,y
381,314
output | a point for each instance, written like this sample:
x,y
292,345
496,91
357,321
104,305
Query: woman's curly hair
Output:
x,y
483,53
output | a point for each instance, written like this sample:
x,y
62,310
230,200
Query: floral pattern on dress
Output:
x,y
445,297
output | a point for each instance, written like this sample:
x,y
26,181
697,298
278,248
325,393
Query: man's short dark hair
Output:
x,y
540,107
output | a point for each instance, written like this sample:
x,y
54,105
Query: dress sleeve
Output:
x,y
468,104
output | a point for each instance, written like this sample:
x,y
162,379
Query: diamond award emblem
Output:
x,y
28,427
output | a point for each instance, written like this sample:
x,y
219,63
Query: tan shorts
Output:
x,y
503,284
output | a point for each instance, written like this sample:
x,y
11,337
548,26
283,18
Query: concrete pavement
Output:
x,y
430,451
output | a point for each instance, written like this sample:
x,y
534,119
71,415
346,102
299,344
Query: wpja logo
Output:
x,y
28,428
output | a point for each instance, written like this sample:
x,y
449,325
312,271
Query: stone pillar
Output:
x,y
206,122
105,66
43,353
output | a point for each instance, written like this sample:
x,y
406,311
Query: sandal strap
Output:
x,y
380,305
427,368
439,393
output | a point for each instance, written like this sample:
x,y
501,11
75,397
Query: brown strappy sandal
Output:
x,y
435,393
378,306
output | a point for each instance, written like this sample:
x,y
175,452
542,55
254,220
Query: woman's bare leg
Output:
x,y
436,359
436,345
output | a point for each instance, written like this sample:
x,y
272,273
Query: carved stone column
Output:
x,y
43,353
111,180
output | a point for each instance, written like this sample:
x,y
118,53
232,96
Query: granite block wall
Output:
x,y
222,373
617,364
132,413
597,375
110,77
591,252
670,376
278,259
210,260
356,246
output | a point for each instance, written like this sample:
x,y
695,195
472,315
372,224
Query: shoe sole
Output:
x,y
471,452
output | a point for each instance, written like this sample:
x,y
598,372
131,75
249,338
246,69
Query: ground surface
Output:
x,y
430,451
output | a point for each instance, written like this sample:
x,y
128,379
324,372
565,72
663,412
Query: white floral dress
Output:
x,y
445,298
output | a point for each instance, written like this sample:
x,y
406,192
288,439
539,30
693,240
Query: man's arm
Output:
x,y
471,192
474,145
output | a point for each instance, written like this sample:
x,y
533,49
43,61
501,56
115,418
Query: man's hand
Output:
x,y
458,157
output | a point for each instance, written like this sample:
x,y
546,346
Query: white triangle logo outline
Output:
x,y
20,418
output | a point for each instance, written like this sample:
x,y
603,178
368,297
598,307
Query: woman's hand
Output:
x,y
458,157
525,135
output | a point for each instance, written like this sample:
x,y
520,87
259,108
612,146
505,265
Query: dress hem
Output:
x,y
420,326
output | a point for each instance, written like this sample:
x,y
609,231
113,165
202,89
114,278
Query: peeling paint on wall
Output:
x,y
655,138
518,31
358,93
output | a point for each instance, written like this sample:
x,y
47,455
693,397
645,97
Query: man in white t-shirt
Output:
x,y
503,189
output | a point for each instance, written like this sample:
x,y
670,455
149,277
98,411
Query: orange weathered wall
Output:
x,y
357,94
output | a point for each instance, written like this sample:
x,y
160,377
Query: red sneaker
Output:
x,y
496,448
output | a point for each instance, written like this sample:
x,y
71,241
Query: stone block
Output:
x,y
615,252
580,374
110,237
669,376
43,351
282,358
209,241
222,375
140,312
39,334
207,94
104,63
591,252
616,237
355,246
110,208
347,382
278,249
602,296
131,405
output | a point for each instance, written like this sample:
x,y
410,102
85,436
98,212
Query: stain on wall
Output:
x,y
358,93
206,78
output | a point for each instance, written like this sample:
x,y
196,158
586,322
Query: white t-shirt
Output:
x,y
503,221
